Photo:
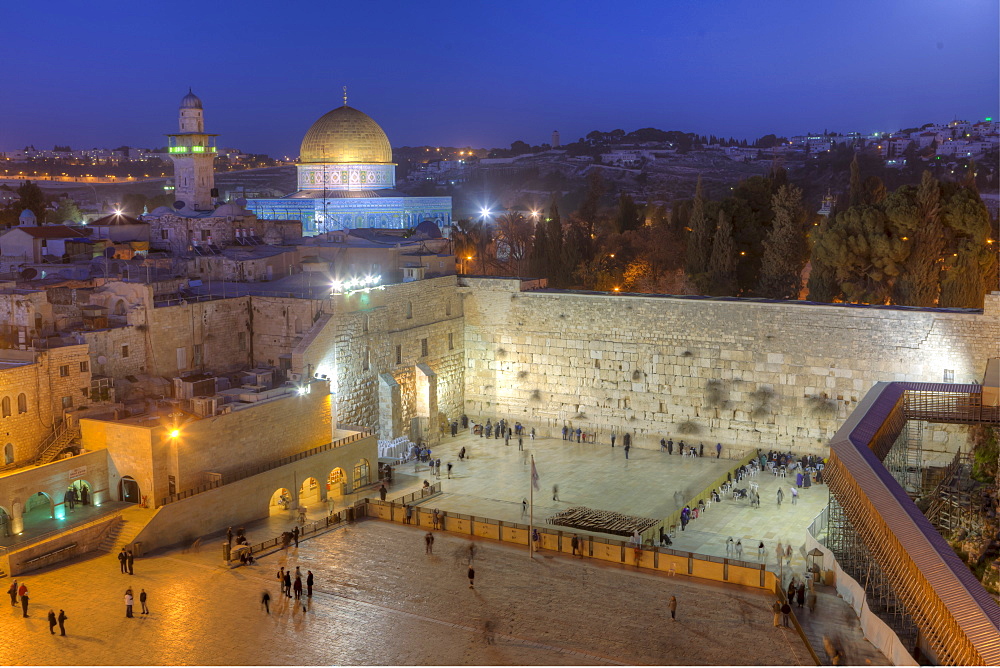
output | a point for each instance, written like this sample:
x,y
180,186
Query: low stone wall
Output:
x,y
80,540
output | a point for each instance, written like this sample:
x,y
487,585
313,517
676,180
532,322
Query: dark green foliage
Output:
x,y
722,265
785,249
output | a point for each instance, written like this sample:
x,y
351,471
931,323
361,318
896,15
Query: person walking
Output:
x,y
555,492
718,450
129,561
795,495
429,543
729,546
22,592
776,609
785,611
13,592
739,549
409,513
382,491
52,622
309,584
520,442
760,550
128,602
449,470
265,600
779,551
472,577
532,433
62,622
295,535
780,496
673,608
524,507
788,554
800,594
627,440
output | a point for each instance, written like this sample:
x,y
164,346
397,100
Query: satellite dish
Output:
x,y
101,359
29,273
179,204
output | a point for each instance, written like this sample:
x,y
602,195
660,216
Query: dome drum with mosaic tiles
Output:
x,y
346,150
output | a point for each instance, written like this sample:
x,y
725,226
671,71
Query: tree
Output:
x,y
513,242
627,217
857,189
67,212
540,249
31,197
917,216
722,265
133,204
699,247
474,239
590,208
785,249
970,263
557,271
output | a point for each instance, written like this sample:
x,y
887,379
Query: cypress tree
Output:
x,y
554,237
699,246
784,248
722,265
857,193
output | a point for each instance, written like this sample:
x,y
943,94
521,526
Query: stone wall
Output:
x,y
370,325
216,326
740,372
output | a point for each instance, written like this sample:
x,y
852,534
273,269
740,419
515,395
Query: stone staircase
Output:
x,y
56,443
122,533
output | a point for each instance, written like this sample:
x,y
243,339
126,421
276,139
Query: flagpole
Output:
x,y
531,505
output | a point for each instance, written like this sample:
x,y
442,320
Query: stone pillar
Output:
x,y
389,408
426,404
16,518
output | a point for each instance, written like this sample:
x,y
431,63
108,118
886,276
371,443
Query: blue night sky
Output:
x,y
486,73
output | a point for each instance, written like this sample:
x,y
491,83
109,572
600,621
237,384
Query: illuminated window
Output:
x,y
22,403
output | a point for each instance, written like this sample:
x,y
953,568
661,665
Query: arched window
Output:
x,y
22,403
5,407
447,307
409,309
8,453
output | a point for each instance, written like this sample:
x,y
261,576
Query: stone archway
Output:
x,y
128,490
310,492
335,483
38,510
6,523
281,501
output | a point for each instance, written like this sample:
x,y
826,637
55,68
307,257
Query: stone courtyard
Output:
x,y
380,600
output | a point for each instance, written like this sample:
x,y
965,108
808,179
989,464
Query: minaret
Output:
x,y
555,139
193,153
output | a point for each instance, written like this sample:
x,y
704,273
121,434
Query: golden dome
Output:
x,y
348,136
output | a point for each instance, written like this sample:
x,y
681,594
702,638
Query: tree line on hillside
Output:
x,y
925,245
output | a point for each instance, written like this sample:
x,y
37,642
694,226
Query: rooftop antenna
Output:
x,y
345,96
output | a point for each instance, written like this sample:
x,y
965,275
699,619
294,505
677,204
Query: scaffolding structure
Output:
x,y
857,561
905,459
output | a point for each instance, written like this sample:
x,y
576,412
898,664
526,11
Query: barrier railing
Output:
x,y
247,471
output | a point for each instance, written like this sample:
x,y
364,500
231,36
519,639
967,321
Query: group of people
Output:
x,y
127,561
581,436
129,600
501,429
292,586
72,497
242,545
19,592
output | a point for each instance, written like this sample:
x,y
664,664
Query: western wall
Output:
x,y
743,372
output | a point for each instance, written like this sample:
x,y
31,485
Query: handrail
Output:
x,y
247,471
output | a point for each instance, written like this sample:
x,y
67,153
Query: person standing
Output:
x,y
575,543
555,492
128,602
739,549
449,468
718,450
129,559
776,609
780,496
409,513
297,587
532,433
287,582
265,600
295,535
785,611
142,601
13,592
628,446
520,442
62,622
800,594
524,507
309,584
229,536
565,430
121,560
52,622
382,491
472,577
795,495
578,432
701,449
673,608
22,591
627,440
429,543
613,437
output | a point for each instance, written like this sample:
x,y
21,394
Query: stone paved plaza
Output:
x,y
380,600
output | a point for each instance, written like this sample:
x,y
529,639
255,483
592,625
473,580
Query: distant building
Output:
x,y
347,180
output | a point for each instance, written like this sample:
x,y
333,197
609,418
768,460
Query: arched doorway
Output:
x,y
38,509
280,501
362,474
128,490
310,492
5,523
84,492
335,483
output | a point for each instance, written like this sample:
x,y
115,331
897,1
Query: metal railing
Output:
x,y
247,471
332,520
421,493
